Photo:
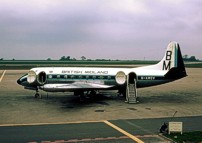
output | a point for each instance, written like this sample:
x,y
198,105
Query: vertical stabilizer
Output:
x,y
172,62
171,58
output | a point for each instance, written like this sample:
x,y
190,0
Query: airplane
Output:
x,y
82,80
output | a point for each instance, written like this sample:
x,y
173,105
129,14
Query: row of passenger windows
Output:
x,y
79,77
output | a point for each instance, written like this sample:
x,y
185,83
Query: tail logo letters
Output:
x,y
166,65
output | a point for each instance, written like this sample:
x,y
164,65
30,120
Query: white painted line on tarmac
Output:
x,y
123,132
2,75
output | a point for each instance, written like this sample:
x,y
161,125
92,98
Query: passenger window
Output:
x,y
101,77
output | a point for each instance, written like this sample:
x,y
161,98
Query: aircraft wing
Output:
x,y
74,86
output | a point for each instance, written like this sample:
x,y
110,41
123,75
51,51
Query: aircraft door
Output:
x,y
132,78
42,78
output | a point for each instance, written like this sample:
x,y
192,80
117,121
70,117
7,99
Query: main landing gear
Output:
x,y
83,95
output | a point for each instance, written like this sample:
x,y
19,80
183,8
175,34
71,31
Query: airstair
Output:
x,y
131,92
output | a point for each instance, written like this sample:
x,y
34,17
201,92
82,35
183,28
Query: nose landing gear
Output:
x,y
37,95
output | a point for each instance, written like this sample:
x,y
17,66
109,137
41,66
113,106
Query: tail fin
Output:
x,y
172,58
172,62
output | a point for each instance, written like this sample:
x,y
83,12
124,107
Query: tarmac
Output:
x,y
18,108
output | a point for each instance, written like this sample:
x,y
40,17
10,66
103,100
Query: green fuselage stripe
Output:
x,y
95,77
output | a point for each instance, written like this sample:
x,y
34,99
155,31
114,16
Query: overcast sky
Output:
x,y
110,29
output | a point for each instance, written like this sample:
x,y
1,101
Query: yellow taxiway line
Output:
x,y
41,124
78,122
2,75
124,132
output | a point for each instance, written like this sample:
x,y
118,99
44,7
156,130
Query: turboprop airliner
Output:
x,y
88,80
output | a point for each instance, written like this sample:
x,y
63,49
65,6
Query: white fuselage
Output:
x,y
73,78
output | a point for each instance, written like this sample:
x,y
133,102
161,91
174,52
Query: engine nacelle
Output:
x,y
36,79
120,78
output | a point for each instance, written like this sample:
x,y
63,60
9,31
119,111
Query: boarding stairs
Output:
x,y
131,93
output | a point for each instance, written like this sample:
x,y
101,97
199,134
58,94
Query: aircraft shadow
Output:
x,y
70,101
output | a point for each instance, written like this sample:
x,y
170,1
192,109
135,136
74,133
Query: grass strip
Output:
x,y
193,137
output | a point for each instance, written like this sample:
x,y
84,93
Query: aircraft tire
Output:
x,y
36,95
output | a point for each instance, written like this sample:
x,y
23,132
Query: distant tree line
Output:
x,y
68,58
191,58
83,58
1,59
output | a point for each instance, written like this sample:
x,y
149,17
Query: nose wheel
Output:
x,y
37,95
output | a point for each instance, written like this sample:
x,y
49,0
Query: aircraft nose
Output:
x,y
19,81
22,79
